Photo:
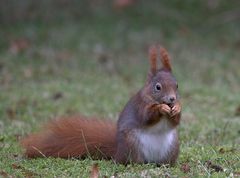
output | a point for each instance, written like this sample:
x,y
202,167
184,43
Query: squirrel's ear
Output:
x,y
153,59
165,59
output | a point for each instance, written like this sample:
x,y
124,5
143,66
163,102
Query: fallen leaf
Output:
x,y
237,112
26,172
29,173
185,168
70,111
215,167
4,174
94,171
16,166
28,72
57,96
222,150
18,45
11,112
121,4
104,59
15,155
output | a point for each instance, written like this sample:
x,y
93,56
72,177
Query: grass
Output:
x,y
94,65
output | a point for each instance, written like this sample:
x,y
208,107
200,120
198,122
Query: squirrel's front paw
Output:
x,y
176,109
164,109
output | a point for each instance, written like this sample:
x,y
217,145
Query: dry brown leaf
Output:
x,y
11,113
216,168
4,174
18,45
28,72
185,168
16,166
223,150
57,96
121,4
237,112
27,173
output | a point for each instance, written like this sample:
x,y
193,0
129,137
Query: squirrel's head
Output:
x,y
161,86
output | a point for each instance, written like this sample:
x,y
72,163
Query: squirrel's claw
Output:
x,y
176,109
164,109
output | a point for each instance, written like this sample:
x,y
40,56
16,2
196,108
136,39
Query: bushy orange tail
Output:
x,y
73,137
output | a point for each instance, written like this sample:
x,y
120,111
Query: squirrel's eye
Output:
x,y
158,87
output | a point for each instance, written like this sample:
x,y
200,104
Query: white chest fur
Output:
x,y
156,141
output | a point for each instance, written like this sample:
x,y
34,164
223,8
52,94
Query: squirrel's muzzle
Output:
x,y
169,100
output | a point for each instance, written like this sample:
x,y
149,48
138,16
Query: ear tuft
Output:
x,y
153,59
165,59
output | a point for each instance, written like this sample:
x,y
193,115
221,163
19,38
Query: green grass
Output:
x,y
95,65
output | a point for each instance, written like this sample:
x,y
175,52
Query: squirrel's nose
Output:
x,y
171,99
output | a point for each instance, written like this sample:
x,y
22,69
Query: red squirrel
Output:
x,y
146,131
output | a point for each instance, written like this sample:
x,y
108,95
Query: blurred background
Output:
x,y
113,33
